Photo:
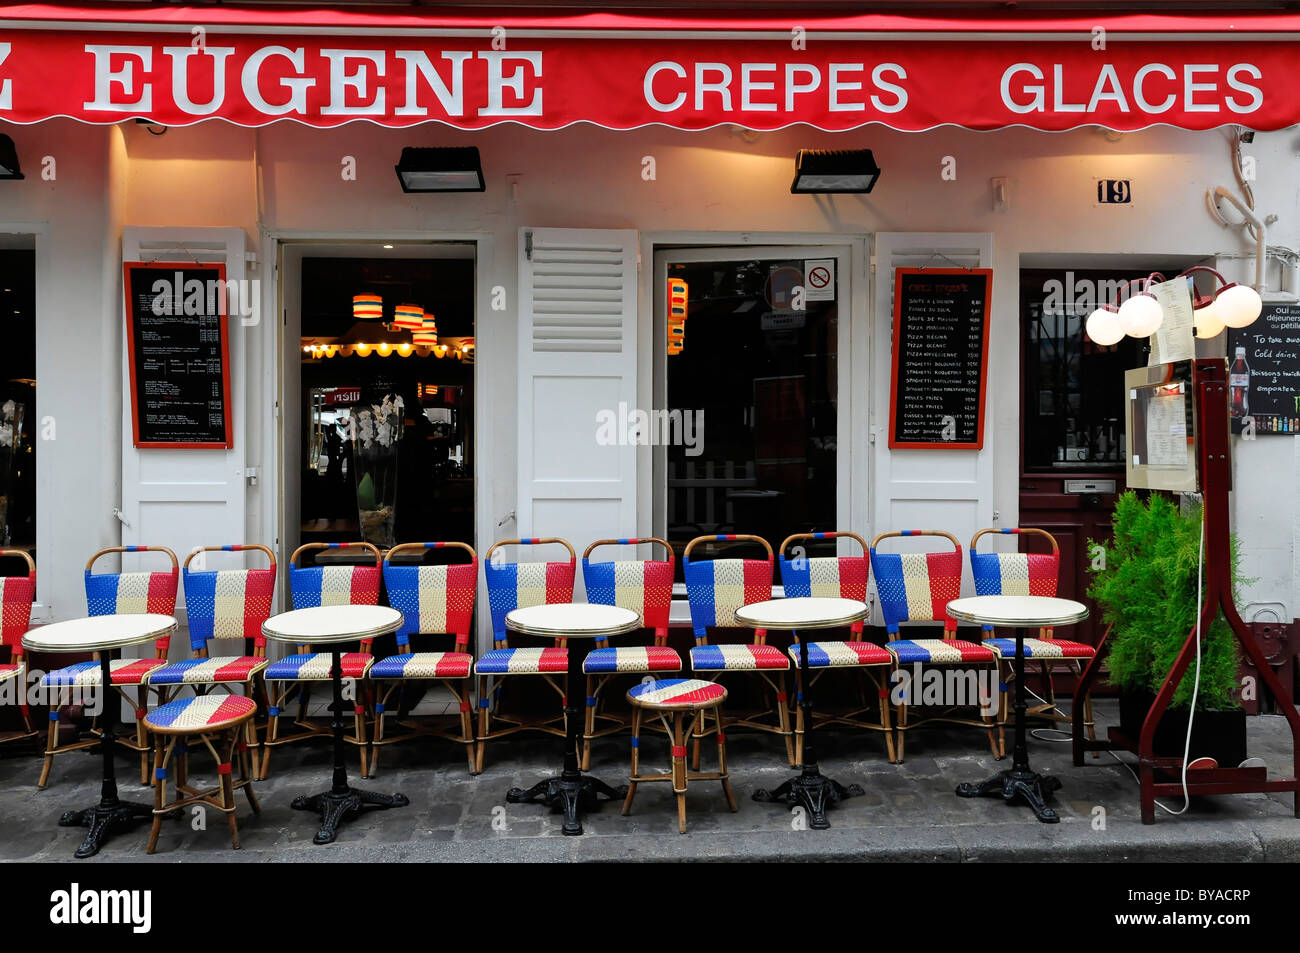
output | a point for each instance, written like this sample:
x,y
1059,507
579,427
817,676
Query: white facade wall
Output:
x,y
284,181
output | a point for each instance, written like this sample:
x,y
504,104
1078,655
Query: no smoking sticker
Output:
x,y
819,279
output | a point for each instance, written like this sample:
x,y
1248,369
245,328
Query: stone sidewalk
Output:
x,y
909,811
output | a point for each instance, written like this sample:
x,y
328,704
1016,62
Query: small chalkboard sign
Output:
x,y
1264,383
176,338
940,358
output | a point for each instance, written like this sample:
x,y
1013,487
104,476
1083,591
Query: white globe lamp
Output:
x,y
1103,327
1141,315
1206,319
1237,306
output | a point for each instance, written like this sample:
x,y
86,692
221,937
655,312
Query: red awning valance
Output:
x,y
689,70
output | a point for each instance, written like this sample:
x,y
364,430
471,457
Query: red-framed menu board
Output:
x,y
939,367
179,355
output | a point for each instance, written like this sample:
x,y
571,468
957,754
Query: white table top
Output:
x,y
325,624
1020,611
581,620
98,633
802,612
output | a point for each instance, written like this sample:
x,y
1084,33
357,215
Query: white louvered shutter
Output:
x,y
577,359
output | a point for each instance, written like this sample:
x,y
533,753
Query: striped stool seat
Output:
x,y
122,671
207,671
652,658
11,670
838,654
424,665
738,658
315,667
676,693
201,713
1043,648
533,661
940,651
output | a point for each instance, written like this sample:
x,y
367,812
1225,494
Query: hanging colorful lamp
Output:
x,y
367,307
427,335
409,317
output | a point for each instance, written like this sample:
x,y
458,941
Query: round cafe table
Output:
x,y
332,625
810,787
1021,613
102,634
572,790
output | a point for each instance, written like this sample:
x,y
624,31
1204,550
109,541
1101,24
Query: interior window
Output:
x,y
19,423
755,382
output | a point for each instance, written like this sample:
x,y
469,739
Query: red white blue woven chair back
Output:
x,y
917,587
312,586
1015,574
17,593
432,599
832,577
228,603
513,586
644,586
716,588
133,593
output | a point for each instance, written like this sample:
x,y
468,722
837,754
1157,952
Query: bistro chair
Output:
x,y
433,600
221,604
716,588
215,722
513,586
117,593
645,587
838,577
680,704
17,593
1030,574
312,586
917,587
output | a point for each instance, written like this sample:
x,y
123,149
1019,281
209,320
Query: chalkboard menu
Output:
x,y
1264,382
179,356
940,356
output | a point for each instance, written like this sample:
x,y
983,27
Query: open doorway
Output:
x,y
380,397
18,419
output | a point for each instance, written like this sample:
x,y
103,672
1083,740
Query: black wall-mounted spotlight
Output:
x,y
826,170
440,169
9,160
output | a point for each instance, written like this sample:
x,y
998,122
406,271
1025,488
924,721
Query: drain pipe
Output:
x,y
1256,223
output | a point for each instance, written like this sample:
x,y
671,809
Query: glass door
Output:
x,y
749,393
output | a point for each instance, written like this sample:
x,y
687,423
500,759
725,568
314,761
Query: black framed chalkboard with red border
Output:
x,y
939,366
179,356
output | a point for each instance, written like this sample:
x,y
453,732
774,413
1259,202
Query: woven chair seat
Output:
x,y
843,654
201,713
209,671
940,651
315,667
531,661
424,665
122,671
11,670
633,659
677,693
737,658
1043,648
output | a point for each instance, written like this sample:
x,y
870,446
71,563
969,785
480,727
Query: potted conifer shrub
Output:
x,y
1146,587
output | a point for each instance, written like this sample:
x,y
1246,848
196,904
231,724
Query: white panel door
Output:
x,y
577,366
950,490
186,498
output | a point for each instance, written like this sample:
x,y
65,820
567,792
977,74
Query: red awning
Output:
x,y
472,68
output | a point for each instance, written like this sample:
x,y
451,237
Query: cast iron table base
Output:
x,y
810,788
572,790
341,803
111,814
570,793
1019,781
